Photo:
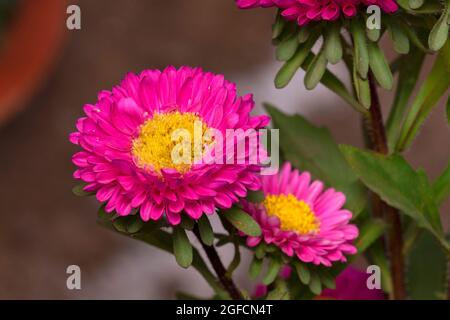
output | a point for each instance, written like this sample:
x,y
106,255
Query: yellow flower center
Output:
x,y
170,140
295,215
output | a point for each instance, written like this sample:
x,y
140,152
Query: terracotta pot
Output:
x,y
33,39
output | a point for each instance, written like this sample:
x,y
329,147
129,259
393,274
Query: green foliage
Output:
x,y
379,66
280,292
441,187
333,45
316,70
242,221
255,267
182,248
255,196
272,271
399,185
427,271
360,52
434,87
205,230
439,33
313,149
368,233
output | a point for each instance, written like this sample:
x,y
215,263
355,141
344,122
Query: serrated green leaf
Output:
x,y
288,70
303,272
315,285
206,231
182,248
272,271
313,149
380,66
399,185
287,48
79,192
243,221
316,70
333,46
361,55
427,269
255,268
369,232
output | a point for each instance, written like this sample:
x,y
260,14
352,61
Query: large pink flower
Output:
x,y
303,219
126,141
304,11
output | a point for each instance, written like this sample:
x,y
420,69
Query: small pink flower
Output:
x,y
126,144
302,219
305,11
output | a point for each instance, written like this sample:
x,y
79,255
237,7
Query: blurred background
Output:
x,y
48,72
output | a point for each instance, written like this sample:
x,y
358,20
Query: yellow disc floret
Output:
x,y
294,214
172,140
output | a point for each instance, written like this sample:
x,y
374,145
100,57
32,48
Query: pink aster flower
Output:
x,y
126,140
304,11
302,219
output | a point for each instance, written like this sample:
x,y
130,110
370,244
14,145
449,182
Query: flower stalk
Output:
x,y
377,135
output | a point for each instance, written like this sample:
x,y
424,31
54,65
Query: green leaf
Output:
x,y
316,70
361,55
427,270
399,185
260,251
315,285
369,232
409,71
272,271
362,89
441,187
432,89
333,46
303,272
243,221
102,215
255,196
78,190
255,268
330,81
313,149
287,48
206,231
398,35
135,225
289,69
182,248
280,292
380,66
415,4
304,33
439,34
328,281
278,26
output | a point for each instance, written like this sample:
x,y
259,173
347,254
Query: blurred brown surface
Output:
x,y
43,227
